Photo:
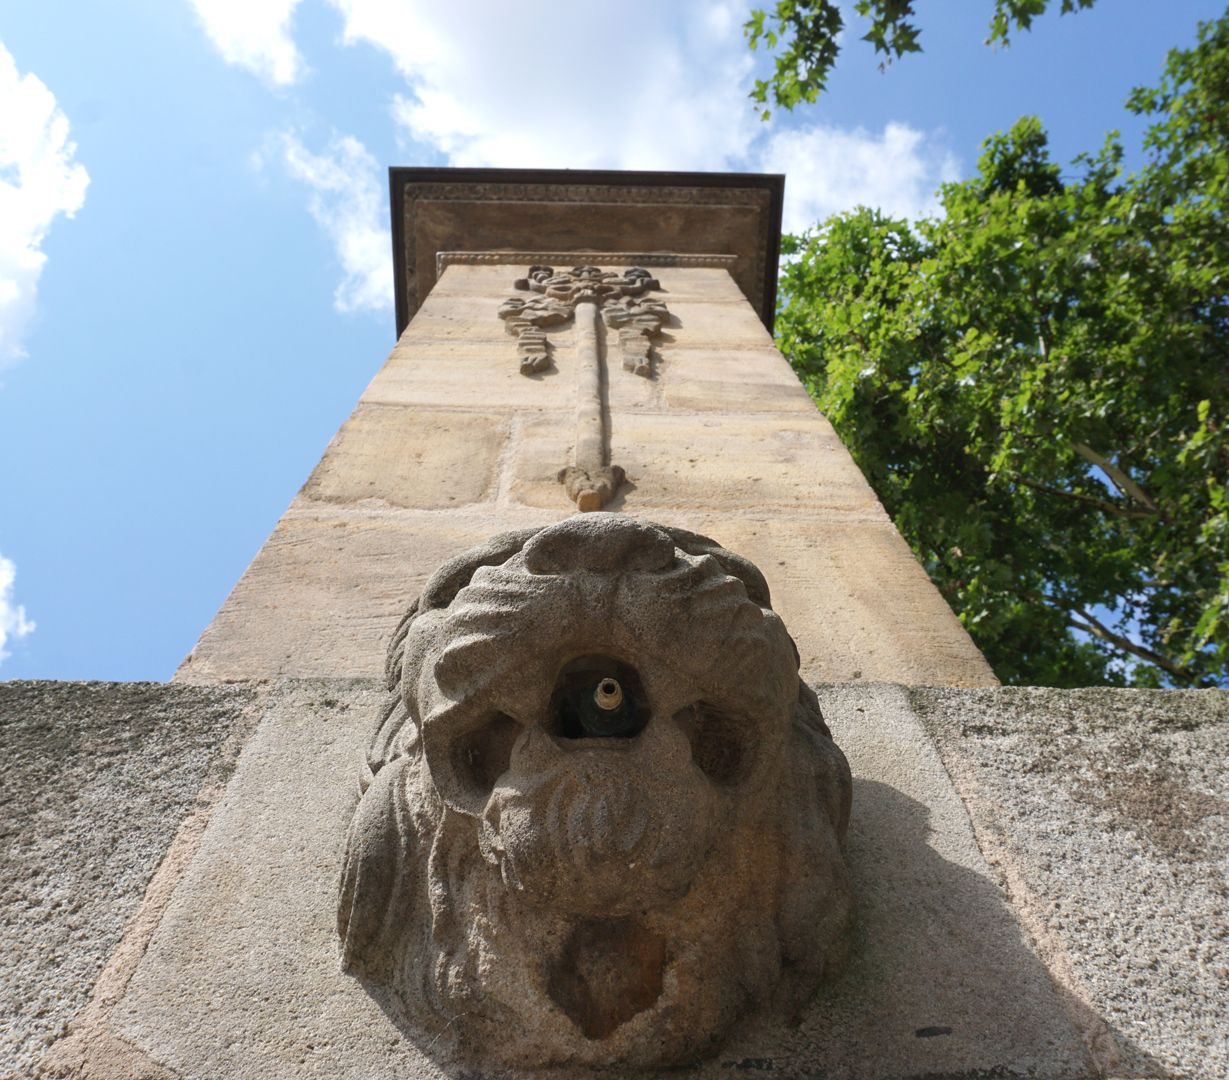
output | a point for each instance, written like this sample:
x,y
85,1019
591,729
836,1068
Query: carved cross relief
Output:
x,y
592,297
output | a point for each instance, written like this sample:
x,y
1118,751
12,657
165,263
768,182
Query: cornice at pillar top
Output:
x,y
609,218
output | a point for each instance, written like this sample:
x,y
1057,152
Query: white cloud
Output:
x,y
38,180
566,85
347,201
578,86
829,169
666,91
13,621
254,34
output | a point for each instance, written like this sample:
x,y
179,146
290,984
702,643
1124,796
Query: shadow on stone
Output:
x,y
941,977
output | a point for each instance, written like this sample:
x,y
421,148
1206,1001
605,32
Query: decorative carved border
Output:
x,y
649,189
602,193
576,258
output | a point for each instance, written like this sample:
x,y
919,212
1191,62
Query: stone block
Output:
x,y
686,393
482,374
1100,813
716,324
486,374
714,363
733,380
420,458
730,324
1105,815
854,597
457,318
718,462
324,593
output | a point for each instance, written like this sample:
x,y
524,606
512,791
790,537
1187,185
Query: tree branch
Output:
x,y
1100,630
1119,478
1091,500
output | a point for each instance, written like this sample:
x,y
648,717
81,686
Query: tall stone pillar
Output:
x,y
486,400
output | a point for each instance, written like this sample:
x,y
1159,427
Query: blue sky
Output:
x,y
195,277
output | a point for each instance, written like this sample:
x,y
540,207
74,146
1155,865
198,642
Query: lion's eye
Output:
x,y
481,756
720,742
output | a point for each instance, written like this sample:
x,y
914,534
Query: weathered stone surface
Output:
x,y
96,779
725,325
1102,812
857,602
602,817
721,435
420,458
708,462
327,589
694,323
1105,814
478,374
243,977
460,318
484,375
688,393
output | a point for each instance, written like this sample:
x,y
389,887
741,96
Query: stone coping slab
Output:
x,y
241,977
1094,819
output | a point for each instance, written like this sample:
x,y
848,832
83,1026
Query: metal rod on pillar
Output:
x,y
590,480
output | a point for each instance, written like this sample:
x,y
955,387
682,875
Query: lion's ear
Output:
x,y
376,884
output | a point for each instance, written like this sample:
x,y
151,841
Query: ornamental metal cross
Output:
x,y
591,296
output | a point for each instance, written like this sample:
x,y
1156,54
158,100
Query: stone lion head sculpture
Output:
x,y
602,817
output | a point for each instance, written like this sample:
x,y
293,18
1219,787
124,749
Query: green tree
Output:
x,y
802,35
1036,385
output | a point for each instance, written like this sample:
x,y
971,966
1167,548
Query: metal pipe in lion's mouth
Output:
x,y
597,697
609,695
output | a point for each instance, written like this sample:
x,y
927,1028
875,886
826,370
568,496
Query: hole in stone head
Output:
x,y
720,745
598,697
481,755
609,970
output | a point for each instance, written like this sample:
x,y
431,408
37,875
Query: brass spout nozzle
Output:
x,y
609,695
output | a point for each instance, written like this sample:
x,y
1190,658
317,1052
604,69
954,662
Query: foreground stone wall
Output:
x,y
1040,877
1105,816
96,781
450,444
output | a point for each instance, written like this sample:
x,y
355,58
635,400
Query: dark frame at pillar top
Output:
x,y
400,176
